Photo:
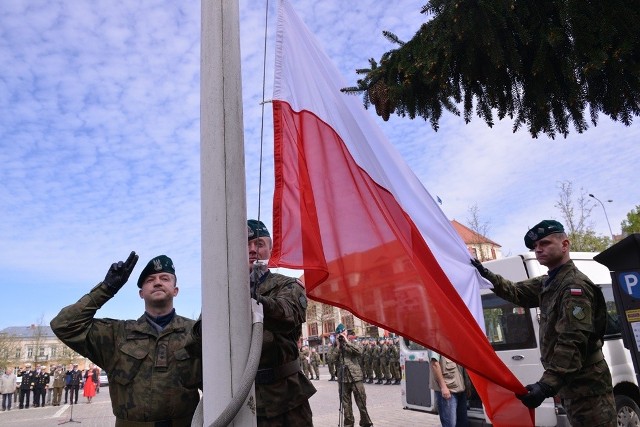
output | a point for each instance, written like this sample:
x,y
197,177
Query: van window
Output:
x,y
613,330
413,345
508,326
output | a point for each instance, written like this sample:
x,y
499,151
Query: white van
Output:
x,y
513,333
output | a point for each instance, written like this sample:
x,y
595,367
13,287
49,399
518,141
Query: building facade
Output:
x,y
37,345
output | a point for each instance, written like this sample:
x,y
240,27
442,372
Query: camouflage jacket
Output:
x,y
572,323
152,375
332,354
349,358
285,307
394,351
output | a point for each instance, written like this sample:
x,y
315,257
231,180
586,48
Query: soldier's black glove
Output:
x,y
536,395
119,273
481,268
258,270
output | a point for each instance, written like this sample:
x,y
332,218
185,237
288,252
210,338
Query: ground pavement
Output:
x,y
383,402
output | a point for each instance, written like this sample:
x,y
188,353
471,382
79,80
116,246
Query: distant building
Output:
x,y
35,344
479,246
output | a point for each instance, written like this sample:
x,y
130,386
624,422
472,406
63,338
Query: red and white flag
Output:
x,y
369,237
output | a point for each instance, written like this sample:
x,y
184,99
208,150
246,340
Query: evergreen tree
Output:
x,y
541,63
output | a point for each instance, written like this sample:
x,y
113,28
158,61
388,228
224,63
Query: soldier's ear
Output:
x,y
140,293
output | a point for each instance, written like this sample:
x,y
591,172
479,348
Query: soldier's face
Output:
x,y
551,250
259,249
159,288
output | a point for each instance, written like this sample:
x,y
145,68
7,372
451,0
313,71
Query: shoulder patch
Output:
x,y
578,312
576,292
299,282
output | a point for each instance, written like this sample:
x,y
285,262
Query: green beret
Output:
x,y
340,329
256,229
159,264
543,229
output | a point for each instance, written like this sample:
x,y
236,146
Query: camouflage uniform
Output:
x,y
386,362
154,375
572,323
282,390
368,371
304,362
350,378
375,361
395,362
332,357
315,363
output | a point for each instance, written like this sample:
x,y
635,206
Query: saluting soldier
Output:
x,y
40,384
58,385
26,385
154,363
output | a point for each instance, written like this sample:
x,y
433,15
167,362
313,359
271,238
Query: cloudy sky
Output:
x,y
99,134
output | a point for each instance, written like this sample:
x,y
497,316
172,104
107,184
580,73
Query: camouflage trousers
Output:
x,y
378,370
359,395
592,411
385,370
299,416
332,368
395,370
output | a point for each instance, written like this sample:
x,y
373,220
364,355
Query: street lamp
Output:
x,y
605,214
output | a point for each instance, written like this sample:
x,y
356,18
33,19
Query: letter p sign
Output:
x,y
630,283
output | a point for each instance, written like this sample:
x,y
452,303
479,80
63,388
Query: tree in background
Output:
x,y
576,213
632,223
544,64
480,230
9,355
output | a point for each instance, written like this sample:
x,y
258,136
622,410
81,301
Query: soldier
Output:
x,y
332,357
350,378
304,360
366,358
26,385
315,362
396,372
375,361
154,363
40,384
572,324
282,390
58,385
75,377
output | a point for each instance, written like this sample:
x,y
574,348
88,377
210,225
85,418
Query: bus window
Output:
x,y
508,326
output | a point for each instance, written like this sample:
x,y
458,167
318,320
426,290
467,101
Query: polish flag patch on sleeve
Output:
x,y
576,292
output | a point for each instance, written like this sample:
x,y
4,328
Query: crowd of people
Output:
x,y
379,360
28,387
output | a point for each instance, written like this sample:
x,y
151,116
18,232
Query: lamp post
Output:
x,y
605,214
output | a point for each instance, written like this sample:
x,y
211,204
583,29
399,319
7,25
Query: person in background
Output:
x,y
75,378
27,378
315,360
58,384
282,390
90,380
350,379
8,384
154,363
573,317
447,381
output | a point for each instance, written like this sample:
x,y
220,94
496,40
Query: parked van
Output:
x,y
513,333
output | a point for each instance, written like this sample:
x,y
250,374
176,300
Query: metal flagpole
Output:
x,y
225,275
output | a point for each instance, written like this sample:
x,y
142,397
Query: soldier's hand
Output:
x,y
119,272
536,395
481,268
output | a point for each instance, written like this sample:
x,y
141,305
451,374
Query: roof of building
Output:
x,y
470,237
31,331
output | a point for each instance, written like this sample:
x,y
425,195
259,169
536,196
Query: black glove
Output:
x,y
537,393
258,270
119,273
481,268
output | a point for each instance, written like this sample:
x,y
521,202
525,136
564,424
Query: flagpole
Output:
x,y
225,302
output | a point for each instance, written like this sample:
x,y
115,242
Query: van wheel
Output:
x,y
628,412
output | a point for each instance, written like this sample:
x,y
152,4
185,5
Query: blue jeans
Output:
x,y
453,412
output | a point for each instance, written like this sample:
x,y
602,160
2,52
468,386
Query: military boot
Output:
x,y
388,382
379,381
370,380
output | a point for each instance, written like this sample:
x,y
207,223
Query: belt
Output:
x,y
176,422
271,375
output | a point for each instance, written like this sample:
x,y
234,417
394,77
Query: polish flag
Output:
x,y
369,237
